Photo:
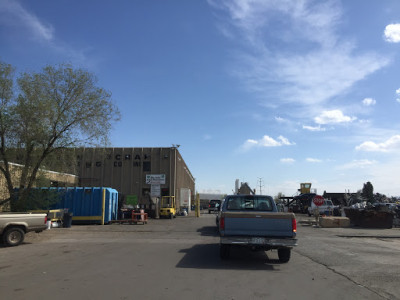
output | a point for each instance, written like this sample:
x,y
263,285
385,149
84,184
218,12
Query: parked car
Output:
x,y
327,207
213,206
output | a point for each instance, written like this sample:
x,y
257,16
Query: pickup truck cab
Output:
x,y
13,226
254,221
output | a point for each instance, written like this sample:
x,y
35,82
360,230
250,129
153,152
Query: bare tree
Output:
x,y
58,108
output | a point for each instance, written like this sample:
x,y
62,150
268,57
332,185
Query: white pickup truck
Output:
x,y
13,226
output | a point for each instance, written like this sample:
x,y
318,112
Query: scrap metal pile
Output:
x,y
377,215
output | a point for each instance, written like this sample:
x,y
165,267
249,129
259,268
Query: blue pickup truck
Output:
x,y
254,221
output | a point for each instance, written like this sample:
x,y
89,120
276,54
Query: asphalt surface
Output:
x,y
177,259
368,257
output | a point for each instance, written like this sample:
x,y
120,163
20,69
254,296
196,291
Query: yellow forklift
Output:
x,y
168,207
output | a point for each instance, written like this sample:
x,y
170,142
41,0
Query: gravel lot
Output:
x,y
169,259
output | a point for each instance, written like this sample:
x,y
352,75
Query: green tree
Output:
x,y
368,192
55,109
278,196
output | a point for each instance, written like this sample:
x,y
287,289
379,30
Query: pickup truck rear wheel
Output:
x,y
284,255
224,251
13,236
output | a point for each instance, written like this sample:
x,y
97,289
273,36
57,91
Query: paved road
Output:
x,y
368,257
177,259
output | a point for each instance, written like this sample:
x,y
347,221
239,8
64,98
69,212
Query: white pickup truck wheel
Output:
x,y
284,255
13,236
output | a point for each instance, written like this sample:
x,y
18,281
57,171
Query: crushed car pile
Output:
x,y
377,215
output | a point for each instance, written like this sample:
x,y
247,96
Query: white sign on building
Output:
x,y
155,179
185,197
155,190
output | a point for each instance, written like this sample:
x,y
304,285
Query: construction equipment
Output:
x,y
300,202
168,207
305,188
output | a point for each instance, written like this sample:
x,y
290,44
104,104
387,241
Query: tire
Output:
x,y
209,212
13,236
284,255
224,251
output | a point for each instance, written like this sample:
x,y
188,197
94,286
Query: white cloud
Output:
x,y
287,160
251,16
266,141
398,95
392,33
357,164
249,144
13,14
314,128
391,144
280,120
285,141
313,160
333,117
369,101
362,122
291,75
211,191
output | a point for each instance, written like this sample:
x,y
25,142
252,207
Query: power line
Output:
x,y
260,184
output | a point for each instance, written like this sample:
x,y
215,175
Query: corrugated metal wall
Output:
x,y
125,170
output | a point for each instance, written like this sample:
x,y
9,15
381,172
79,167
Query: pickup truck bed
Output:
x,y
254,221
13,226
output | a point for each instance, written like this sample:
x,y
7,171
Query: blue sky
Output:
x,y
283,91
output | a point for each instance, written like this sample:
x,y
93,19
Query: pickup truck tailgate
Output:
x,y
263,224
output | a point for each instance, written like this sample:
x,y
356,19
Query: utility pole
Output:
x,y
260,184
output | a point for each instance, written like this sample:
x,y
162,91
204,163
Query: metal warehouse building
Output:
x,y
140,175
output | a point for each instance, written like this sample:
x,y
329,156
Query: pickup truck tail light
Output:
x,y
45,220
222,223
294,225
